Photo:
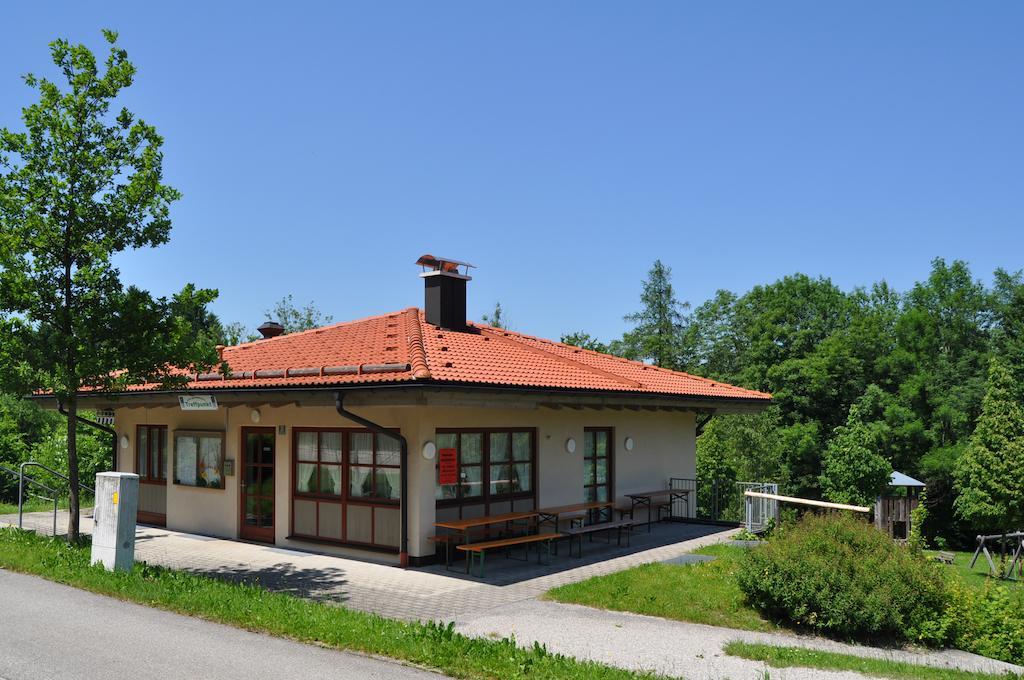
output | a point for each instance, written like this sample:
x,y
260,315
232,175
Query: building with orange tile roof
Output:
x,y
355,438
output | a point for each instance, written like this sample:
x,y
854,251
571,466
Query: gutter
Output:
x,y
97,426
403,552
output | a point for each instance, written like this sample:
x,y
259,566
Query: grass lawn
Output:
x,y
429,645
701,593
785,657
979,575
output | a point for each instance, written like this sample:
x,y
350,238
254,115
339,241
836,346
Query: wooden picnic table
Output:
x,y
463,526
643,499
552,515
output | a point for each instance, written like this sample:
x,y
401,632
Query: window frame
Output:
x,y
592,460
160,455
345,464
198,435
486,497
344,500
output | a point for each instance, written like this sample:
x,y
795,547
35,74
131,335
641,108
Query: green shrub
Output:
x,y
839,576
987,621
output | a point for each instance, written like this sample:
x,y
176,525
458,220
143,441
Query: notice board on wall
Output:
x,y
447,466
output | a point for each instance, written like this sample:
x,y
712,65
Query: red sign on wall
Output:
x,y
447,466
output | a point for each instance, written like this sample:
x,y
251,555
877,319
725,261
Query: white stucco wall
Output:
x,y
664,447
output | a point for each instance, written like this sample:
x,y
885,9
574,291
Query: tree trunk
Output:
x,y
73,499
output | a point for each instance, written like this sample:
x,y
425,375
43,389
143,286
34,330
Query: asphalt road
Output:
x,y
52,631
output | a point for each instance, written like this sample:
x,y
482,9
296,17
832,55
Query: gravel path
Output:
x,y
675,648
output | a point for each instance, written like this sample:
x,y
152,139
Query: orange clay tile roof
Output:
x,y
403,348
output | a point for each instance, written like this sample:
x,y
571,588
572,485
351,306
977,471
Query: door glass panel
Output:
x,y
602,493
265,508
602,470
305,478
250,511
267,449
252,477
588,473
589,494
267,489
588,443
601,443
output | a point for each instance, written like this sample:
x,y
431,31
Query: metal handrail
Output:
x,y
50,489
21,489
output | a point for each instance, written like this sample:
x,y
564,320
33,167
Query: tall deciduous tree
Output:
x,y
853,467
79,185
659,324
988,474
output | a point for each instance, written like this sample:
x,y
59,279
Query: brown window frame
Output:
x,y
159,456
345,499
200,434
486,497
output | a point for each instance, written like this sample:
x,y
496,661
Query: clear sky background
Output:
x,y
561,146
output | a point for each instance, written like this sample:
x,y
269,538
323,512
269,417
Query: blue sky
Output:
x,y
561,146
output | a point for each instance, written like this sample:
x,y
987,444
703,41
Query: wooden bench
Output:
x,y
576,534
452,539
944,557
481,549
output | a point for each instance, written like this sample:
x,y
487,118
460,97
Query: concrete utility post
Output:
x,y
113,534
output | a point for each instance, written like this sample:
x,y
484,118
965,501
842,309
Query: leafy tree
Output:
x,y
853,469
76,187
988,474
585,341
295,319
236,333
658,326
942,350
710,340
495,318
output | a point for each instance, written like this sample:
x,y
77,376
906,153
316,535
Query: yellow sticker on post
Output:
x,y
115,498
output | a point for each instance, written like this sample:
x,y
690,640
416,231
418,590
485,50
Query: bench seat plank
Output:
x,y
504,542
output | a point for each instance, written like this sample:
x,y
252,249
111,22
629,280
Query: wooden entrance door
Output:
x,y
257,484
597,468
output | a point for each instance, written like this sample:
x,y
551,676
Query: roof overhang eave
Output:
x,y
416,393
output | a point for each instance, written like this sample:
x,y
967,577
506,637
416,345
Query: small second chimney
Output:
x,y
444,291
271,329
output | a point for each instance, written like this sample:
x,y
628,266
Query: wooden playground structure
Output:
x,y
1006,543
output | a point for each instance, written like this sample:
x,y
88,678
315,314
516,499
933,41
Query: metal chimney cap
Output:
x,y
271,329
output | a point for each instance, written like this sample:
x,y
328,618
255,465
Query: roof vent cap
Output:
x,y
271,329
